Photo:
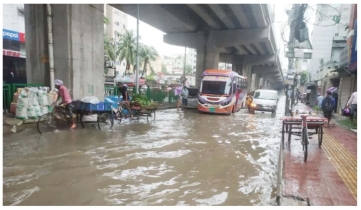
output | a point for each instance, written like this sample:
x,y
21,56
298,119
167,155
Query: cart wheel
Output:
x,y
119,115
46,123
320,136
289,135
305,143
106,120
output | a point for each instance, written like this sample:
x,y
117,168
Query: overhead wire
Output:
x,y
321,14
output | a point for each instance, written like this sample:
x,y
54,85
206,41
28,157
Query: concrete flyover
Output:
x,y
239,33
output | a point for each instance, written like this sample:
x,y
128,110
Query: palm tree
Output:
x,y
148,54
111,49
127,48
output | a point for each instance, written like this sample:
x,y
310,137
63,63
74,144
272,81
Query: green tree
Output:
x,y
303,78
106,21
128,48
111,49
148,54
188,69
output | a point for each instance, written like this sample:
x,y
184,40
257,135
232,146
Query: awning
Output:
x,y
340,69
332,89
311,84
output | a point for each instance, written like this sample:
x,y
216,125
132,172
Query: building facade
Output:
x,y
334,67
191,58
118,23
156,65
324,37
348,59
14,53
177,61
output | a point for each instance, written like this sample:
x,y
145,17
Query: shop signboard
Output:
x,y
13,35
13,53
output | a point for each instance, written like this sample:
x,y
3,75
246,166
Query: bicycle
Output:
x,y
51,119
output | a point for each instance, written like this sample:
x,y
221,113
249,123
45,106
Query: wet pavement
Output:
x,y
329,177
178,159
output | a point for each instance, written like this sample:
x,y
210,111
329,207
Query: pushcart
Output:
x,y
303,126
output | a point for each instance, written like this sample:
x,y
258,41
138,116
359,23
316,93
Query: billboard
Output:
x,y
353,60
13,35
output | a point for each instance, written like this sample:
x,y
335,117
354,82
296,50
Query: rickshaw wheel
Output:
x,y
320,136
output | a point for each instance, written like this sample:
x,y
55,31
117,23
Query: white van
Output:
x,y
265,100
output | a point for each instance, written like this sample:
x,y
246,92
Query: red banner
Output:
x,y
11,53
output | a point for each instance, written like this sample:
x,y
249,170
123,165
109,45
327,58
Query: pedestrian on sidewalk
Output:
x,y
184,96
353,102
328,105
320,99
335,96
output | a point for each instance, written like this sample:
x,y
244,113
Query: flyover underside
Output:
x,y
240,34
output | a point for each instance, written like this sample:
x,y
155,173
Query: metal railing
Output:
x,y
6,96
157,95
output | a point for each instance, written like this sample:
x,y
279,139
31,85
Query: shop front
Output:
x,y
14,62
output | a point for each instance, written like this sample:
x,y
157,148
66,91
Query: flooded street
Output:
x,y
178,159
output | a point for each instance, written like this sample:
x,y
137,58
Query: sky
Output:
x,y
154,37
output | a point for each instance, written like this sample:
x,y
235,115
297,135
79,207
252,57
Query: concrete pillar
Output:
x,y
257,81
37,64
78,36
237,64
261,83
265,84
207,55
248,73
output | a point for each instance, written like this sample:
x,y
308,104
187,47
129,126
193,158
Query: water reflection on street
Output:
x,y
178,159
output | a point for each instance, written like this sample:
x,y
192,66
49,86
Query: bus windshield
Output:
x,y
215,87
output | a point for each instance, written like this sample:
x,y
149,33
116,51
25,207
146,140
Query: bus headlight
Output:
x,y
226,103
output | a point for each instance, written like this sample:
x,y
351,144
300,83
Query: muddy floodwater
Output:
x,y
178,159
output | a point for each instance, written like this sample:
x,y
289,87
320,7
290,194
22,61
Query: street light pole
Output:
x,y
137,72
185,61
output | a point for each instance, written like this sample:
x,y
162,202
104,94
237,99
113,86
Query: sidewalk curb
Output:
x,y
279,176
